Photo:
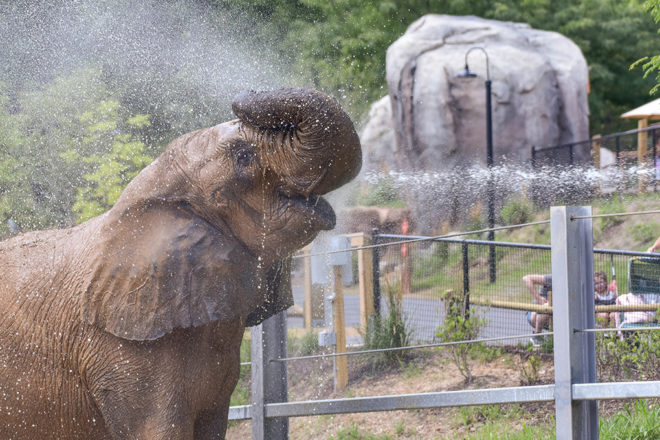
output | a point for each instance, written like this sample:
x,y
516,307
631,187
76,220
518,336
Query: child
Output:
x,y
603,297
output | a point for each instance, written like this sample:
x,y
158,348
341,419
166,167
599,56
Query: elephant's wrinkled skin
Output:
x,y
129,325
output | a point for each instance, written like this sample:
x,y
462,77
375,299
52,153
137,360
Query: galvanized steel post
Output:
x,y
573,310
269,379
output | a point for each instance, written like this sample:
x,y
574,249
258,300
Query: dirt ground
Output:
x,y
427,372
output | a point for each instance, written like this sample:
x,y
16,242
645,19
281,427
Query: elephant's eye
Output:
x,y
244,157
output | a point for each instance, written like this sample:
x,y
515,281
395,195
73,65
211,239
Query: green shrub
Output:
x,y
635,357
389,331
611,206
382,193
460,325
645,232
309,343
517,210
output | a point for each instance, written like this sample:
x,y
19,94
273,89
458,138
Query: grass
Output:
x,y
639,420
438,267
353,433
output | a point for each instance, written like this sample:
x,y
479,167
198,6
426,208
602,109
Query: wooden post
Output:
x,y
307,304
365,277
595,150
341,364
642,147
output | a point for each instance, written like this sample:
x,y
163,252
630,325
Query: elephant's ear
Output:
x,y
162,267
278,296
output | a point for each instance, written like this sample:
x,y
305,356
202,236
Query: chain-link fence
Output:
x,y
422,273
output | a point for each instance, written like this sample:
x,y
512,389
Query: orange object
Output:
x,y
404,230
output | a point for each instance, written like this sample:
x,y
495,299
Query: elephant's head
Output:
x,y
215,202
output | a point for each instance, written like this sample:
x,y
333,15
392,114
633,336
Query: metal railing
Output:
x,y
617,142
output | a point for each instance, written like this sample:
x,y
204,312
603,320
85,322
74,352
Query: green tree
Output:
x,y
124,155
14,182
48,117
62,139
651,64
342,44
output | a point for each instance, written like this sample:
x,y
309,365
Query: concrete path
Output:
x,y
423,316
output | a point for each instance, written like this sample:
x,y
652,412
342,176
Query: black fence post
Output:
x,y
376,260
570,154
533,156
466,276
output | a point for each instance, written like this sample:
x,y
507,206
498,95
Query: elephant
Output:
x,y
128,325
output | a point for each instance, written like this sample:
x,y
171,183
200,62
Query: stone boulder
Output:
x,y
377,137
539,95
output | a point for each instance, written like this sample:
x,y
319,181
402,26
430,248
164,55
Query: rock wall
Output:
x,y
539,95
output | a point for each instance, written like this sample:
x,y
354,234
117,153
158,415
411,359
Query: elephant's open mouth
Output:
x,y
323,216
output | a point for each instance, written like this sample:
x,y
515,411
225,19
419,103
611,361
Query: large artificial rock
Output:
x,y
377,137
539,95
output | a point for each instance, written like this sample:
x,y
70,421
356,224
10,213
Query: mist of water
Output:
x,y
161,47
451,195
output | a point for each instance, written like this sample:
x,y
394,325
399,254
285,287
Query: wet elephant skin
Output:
x,y
128,326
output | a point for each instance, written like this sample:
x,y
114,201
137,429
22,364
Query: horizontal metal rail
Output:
x,y
617,329
409,347
602,138
460,240
516,245
536,393
616,390
240,412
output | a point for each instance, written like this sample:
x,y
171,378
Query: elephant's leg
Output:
x,y
212,425
164,423
138,409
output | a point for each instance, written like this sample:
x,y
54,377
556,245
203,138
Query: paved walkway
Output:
x,y
424,316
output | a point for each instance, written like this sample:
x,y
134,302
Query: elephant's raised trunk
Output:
x,y
314,147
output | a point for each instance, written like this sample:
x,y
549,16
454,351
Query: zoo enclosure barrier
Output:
x,y
575,391
419,270
628,146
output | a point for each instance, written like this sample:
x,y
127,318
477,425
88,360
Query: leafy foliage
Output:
x,y
460,325
651,64
50,107
69,150
389,331
383,193
633,357
113,169
341,45
517,210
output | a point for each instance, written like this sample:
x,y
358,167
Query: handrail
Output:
x,y
601,139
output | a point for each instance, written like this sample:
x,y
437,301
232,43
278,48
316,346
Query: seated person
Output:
x,y
633,317
539,321
603,297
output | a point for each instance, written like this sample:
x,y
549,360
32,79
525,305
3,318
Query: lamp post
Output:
x,y
490,191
